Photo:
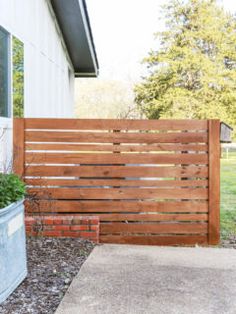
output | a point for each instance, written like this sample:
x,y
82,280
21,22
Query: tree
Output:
x,y
18,77
100,98
193,73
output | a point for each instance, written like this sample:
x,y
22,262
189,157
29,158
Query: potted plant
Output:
x,y
12,234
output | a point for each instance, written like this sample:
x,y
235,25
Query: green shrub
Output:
x,y
12,189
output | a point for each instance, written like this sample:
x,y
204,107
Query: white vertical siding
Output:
x,y
49,88
5,144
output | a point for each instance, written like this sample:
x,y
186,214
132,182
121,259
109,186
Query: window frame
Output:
x,y
9,75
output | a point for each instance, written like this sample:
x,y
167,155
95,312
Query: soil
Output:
x,y
229,242
52,264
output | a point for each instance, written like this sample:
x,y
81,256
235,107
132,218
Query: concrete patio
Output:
x,y
124,279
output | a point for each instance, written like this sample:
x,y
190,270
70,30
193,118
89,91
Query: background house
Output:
x,y
44,45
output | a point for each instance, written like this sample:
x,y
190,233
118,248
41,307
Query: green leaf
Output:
x,y
12,189
193,73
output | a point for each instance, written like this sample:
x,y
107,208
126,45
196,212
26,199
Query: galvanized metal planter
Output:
x,y
13,267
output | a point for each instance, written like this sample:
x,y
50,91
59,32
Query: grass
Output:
x,y
228,196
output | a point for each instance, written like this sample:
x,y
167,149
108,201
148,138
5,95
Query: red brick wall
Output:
x,y
73,226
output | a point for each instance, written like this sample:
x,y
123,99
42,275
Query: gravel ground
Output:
x,y
230,242
52,264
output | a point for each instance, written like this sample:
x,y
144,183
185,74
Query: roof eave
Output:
x,y
73,20
86,74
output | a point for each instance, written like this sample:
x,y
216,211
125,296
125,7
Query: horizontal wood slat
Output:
x,y
73,206
67,158
114,124
113,193
155,239
116,182
146,180
117,171
91,137
181,228
115,148
152,217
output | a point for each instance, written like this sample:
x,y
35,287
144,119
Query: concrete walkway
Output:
x,y
123,279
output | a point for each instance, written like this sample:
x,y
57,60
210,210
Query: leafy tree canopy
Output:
x,y
100,98
18,77
193,73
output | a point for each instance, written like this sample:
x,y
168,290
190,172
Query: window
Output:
x,y
18,77
4,74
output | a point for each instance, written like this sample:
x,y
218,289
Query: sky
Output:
x,y
123,32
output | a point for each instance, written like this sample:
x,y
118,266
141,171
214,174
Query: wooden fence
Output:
x,y
149,181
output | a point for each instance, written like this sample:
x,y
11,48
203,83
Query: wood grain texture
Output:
x,y
119,193
115,124
115,182
155,239
214,182
114,206
118,171
112,148
103,167
18,147
98,137
151,217
160,228
69,158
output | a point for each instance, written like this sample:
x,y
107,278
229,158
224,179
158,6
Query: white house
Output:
x,y
44,45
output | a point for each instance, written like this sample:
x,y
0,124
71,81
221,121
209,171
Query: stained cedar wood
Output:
x,y
114,193
68,158
73,206
181,228
151,217
115,124
214,182
118,171
18,147
91,137
155,239
115,182
112,148
187,141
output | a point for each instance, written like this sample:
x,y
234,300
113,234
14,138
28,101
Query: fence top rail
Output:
x,y
115,124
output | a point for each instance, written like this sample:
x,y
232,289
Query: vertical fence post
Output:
x,y
19,146
214,182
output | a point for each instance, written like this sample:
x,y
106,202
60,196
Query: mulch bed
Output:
x,y
52,264
229,242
